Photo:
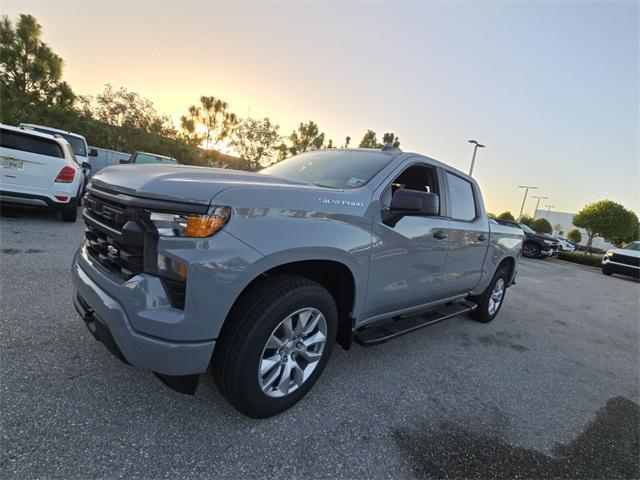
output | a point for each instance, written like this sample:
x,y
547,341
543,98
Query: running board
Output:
x,y
379,334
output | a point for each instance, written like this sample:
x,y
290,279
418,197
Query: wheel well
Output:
x,y
510,264
335,277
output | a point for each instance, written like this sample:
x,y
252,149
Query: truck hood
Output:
x,y
182,183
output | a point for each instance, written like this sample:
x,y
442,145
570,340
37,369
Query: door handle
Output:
x,y
482,237
440,235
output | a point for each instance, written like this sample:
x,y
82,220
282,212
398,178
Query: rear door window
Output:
x,y
30,143
463,203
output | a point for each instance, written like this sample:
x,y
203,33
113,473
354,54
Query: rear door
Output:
x,y
468,234
29,160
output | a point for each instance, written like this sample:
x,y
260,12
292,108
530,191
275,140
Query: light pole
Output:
x,y
475,149
549,209
537,204
526,191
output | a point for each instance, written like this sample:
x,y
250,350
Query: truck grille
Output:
x,y
120,253
121,238
616,257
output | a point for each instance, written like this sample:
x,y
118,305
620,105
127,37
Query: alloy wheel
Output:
x,y
292,352
496,296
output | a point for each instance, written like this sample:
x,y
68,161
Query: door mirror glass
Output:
x,y
93,152
124,160
86,165
413,202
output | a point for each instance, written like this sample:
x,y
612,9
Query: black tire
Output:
x,y
531,250
482,313
606,271
70,212
252,321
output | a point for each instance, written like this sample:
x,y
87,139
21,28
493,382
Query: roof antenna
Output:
x,y
390,147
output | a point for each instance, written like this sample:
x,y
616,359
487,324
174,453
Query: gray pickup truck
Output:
x,y
260,274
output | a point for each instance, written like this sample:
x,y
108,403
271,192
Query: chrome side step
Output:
x,y
376,335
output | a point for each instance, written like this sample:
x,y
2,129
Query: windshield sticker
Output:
x,y
355,182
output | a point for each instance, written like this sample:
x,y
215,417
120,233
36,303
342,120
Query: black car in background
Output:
x,y
536,245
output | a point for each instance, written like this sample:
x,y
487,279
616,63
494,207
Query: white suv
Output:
x,y
40,170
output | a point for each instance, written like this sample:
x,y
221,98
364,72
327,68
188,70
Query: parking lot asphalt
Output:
x,y
549,389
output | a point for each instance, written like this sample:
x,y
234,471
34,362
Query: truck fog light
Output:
x,y
168,267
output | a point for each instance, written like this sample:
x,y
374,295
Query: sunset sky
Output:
x,y
550,87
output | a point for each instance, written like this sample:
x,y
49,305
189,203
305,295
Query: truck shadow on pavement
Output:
x,y
607,448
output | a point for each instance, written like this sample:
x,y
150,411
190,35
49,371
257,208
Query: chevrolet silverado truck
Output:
x,y
259,275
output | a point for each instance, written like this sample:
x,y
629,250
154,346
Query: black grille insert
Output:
x,y
616,257
112,240
176,291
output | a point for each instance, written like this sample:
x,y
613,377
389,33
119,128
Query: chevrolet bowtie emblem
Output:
x,y
112,250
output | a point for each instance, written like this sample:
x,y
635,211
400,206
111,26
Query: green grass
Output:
x,y
581,258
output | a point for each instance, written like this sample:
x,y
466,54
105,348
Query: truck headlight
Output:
x,y
549,242
191,224
609,254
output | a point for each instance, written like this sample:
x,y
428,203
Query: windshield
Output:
x,y
526,228
633,246
331,168
146,158
77,143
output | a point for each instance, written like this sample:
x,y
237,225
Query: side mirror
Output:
x,y
86,165
93,152
125,160
412,202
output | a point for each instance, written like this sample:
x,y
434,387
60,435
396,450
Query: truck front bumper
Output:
x,y
108,322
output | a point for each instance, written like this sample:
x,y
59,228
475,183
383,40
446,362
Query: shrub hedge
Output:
x,y
581,258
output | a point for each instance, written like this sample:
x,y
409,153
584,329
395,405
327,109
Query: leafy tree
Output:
x,y
347,140
607,219
256,141
210,122
308,137
527,220
369,140
633,234
30,72
574,236
507,216
282,152
390,139
128,117
541,225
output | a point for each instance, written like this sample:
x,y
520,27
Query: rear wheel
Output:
x,y
490,302
276,344
531,250
70,212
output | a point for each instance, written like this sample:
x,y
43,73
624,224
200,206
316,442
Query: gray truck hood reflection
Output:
x,y
186,184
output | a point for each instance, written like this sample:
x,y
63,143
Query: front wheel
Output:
x,y
276,344
606,271
490,302
531,250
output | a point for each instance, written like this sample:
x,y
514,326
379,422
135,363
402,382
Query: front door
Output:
x,y
408,253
